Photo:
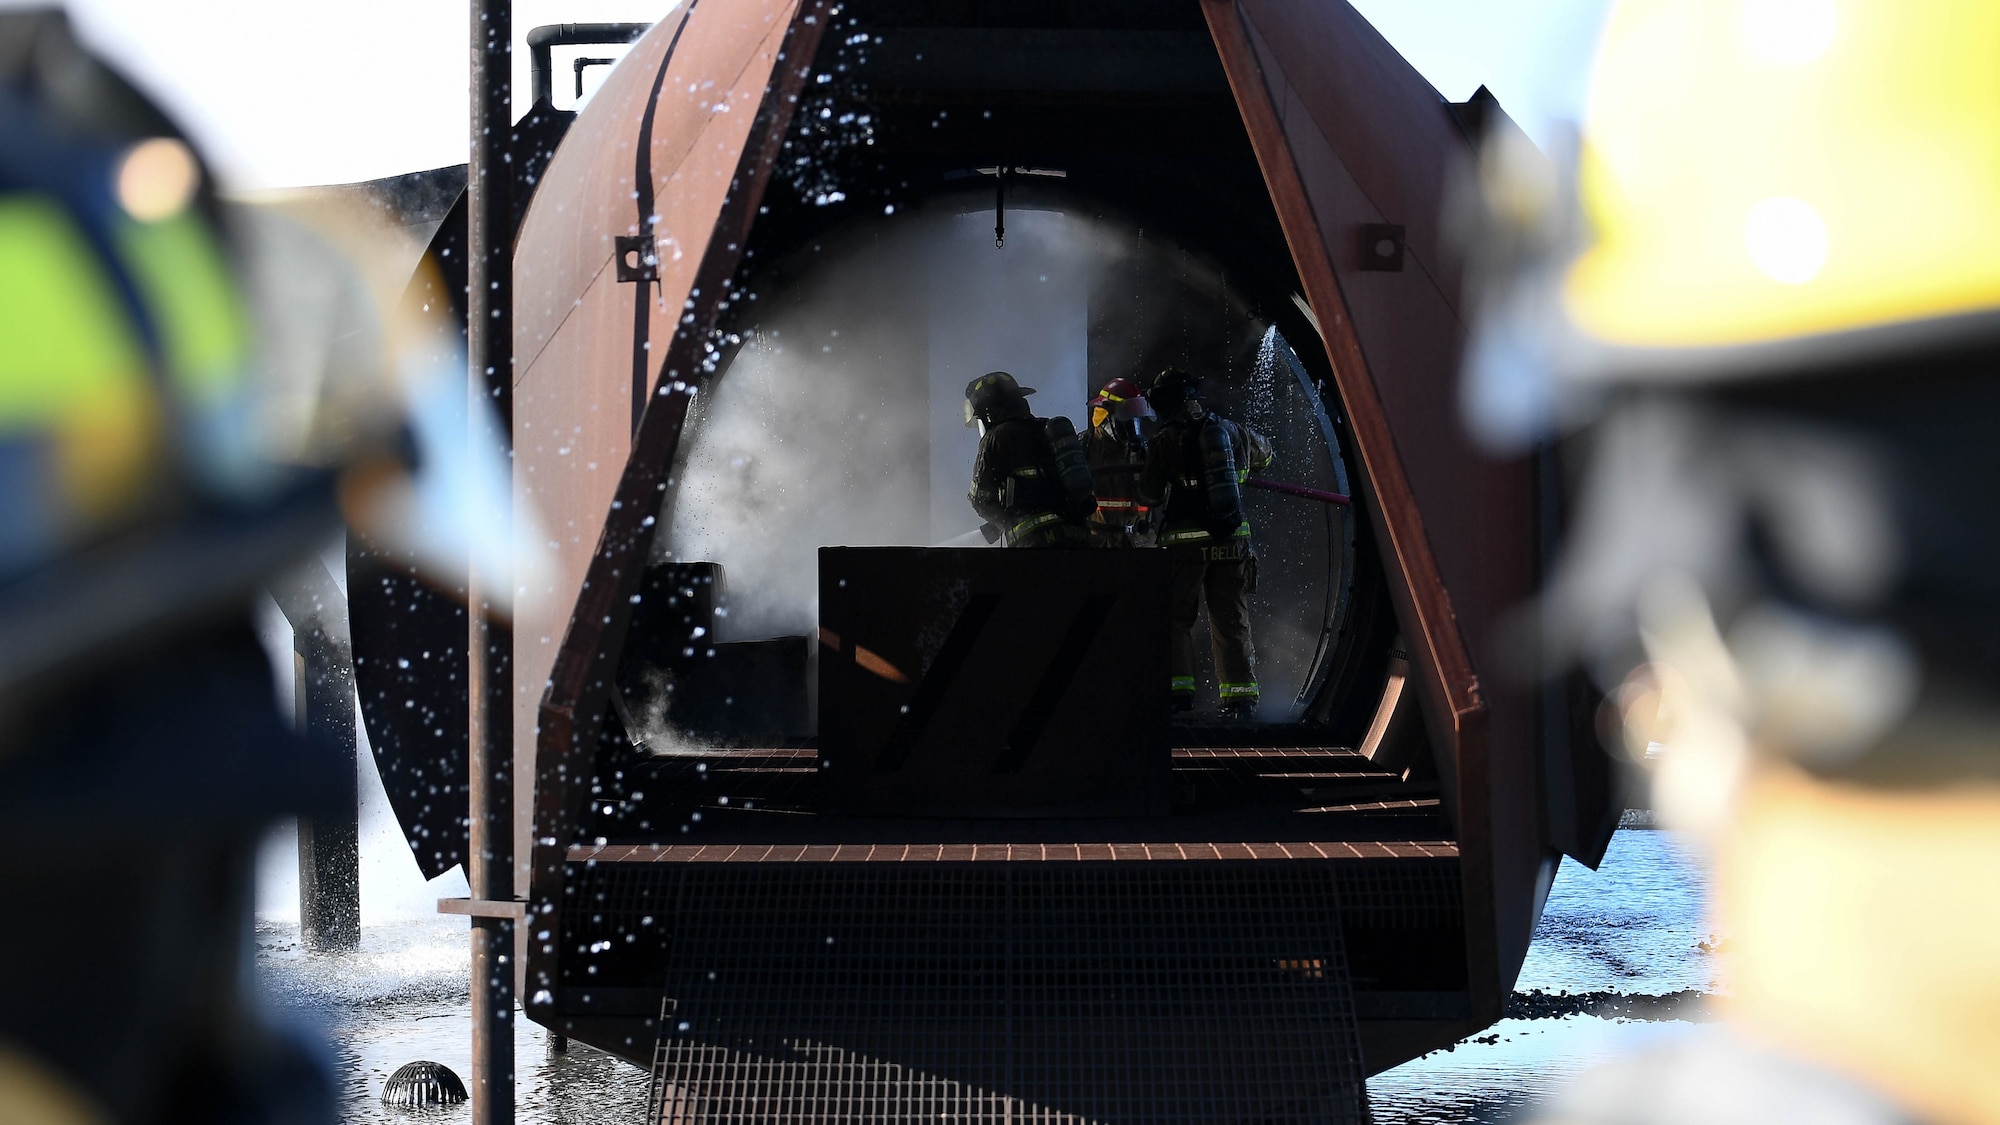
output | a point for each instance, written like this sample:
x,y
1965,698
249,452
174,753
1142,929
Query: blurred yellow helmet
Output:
x,y
1773,284
1775,184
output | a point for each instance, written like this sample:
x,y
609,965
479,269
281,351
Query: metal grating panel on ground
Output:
x,y
1007,993
1403,894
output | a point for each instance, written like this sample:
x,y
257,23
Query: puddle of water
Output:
x,y
1496,1075
402,997
1632,928
1633,925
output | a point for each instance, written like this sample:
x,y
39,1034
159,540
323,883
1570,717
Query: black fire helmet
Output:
x,y
1172,390
992,394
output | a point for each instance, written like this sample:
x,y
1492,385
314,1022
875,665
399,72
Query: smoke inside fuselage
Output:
x,y
840,419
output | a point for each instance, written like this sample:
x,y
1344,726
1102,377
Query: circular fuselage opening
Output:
x,y
835,417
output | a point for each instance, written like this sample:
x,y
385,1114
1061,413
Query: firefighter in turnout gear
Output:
x,y
1194,471
1116,449
194,396
1030,480
139,515
1783,570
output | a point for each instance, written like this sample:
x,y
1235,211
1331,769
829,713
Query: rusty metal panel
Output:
x,y
1350,136
699,196
665,157
1377,146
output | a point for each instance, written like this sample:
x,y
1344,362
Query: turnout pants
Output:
x,y
1224,574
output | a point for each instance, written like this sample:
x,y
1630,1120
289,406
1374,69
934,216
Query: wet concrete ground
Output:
x,y
1619,960
403,997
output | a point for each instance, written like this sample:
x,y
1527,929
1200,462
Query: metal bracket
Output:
x,y
1382,247
513,910
638,257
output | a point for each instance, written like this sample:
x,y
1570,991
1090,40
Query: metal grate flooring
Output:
x,y
1192,967
1088,992
1018,852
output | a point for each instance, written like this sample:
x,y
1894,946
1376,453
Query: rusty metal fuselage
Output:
x,y
1283,140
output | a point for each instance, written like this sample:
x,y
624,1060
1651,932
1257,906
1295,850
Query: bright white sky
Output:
x,y
289,92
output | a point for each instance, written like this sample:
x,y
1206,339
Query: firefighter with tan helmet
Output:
x,y
1195,468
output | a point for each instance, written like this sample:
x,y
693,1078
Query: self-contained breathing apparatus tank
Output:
x,y
1072,469
1219,476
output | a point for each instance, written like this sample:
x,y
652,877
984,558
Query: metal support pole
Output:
x,y
489,346
323,703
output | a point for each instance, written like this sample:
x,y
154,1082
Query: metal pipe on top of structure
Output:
x,y
543,39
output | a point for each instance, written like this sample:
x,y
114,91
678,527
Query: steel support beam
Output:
x,y
323,704
489,348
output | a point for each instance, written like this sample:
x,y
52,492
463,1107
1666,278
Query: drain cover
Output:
x,y
423,1083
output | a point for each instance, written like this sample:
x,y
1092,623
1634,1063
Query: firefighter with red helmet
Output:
x,y
1194,472
1115,446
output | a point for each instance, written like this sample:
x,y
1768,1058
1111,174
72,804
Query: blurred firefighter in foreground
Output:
x,y
1116,449
1193,477
1030,481
139,734
153,480
1783,565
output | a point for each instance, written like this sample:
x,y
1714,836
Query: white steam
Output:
x,y
840,422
